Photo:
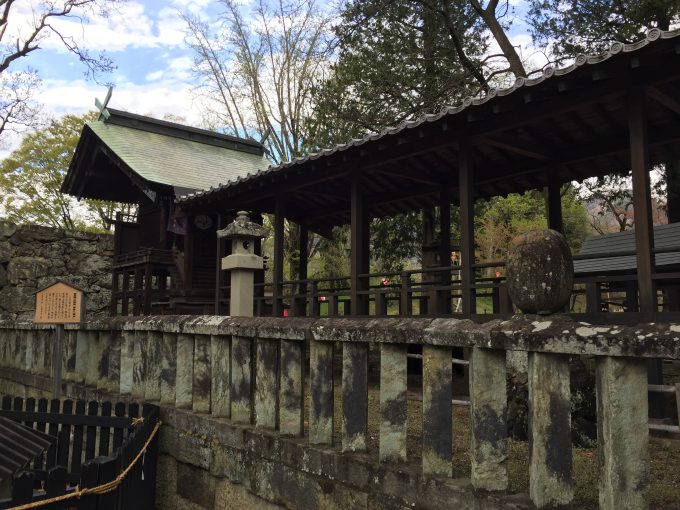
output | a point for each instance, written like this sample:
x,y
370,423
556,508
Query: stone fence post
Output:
x,y
540,280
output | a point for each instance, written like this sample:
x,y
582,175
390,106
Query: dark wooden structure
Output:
x,y
92,444
604,114
164,257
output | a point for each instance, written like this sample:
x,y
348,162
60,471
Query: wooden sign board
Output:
x,y
60,303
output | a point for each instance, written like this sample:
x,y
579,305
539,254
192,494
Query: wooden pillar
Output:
x,y
148,288
189,255
359,242
467,232
301,304
642,201
553,204
258,279
279,218
444,301
218,267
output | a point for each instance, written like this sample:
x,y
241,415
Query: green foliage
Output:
x,y
571,27
396,60
394,240
31,177
333,260
502,218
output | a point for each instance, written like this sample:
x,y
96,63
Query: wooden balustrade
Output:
x,y
254,372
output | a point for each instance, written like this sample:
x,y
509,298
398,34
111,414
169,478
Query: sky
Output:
x,y
146,41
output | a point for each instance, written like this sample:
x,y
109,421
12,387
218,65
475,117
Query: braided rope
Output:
x,y
99,489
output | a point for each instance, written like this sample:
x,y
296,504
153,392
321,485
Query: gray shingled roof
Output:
x,y
19,446
520,83
174,161
665,236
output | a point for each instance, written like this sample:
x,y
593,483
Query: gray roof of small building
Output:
x,y
183,163
20,445
665,236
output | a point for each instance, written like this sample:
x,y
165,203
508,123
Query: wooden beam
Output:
x,y
279,218
467,232
401,174
664,99
509,144
359,244
639,158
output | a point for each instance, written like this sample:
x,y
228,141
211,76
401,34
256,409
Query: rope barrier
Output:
x,y
99,489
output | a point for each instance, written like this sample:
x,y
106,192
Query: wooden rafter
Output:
x,y
664,99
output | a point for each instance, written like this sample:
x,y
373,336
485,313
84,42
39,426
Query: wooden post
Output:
x,y
553,204
644,230
218,267
278,257
444,301
113,309
189,254
301,303
359,242
57,354
467,233
644,241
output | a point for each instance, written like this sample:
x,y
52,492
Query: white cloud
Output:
x,y
156,99
154,75
130,25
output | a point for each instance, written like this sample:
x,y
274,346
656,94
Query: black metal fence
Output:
x,y
104,456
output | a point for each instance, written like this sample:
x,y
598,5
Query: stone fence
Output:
x,y
241,383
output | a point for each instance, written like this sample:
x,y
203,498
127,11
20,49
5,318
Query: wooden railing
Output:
x,y
437,292
253,371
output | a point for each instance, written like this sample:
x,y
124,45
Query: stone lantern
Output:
x,y
242,262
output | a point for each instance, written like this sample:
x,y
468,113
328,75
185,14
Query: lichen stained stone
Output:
x,y
540,272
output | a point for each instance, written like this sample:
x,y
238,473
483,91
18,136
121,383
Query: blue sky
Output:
x,y
145,39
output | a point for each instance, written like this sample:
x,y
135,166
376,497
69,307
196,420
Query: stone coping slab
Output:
x,y
554,333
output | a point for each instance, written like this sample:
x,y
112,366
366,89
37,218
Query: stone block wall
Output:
x,y
32,257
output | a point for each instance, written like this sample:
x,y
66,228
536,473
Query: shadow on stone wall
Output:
x,y
32,257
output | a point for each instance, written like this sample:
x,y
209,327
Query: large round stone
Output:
x,y
540,272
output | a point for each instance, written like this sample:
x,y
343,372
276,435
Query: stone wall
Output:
x,y
33,257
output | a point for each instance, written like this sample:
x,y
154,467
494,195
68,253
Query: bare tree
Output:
x,y
21,33
257,71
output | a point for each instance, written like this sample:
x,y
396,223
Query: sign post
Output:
x,y
59,304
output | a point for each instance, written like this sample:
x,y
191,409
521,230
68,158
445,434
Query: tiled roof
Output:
x,y
519,84
665,237
165,159
19,446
